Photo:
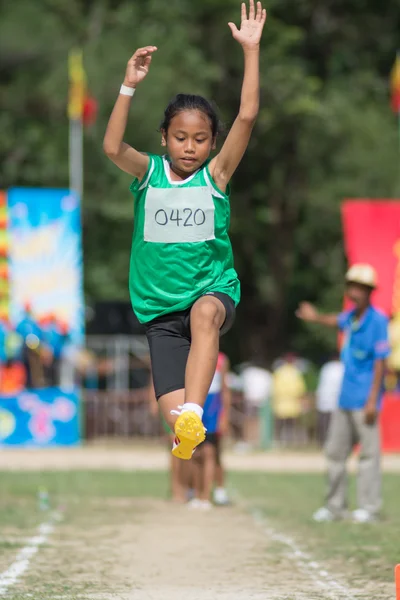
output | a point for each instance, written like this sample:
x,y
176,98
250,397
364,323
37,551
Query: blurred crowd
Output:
x,y
31,352
288,404
293,399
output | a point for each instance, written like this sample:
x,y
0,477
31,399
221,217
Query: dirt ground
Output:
x,y
156,457
139,549
160,551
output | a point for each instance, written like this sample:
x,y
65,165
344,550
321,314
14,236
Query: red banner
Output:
x,y
390,423
372,235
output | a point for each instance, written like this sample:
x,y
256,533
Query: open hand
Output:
x,y
251,28
138,66
307,312
370,412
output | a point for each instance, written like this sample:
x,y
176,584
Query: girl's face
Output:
x,y
189,141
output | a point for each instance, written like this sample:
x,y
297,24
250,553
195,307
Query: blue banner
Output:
x,y
46,258
40,418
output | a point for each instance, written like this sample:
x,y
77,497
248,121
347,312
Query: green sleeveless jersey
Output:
x,y
180,247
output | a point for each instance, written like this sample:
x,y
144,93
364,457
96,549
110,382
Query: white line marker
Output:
x,y
305,562
21,563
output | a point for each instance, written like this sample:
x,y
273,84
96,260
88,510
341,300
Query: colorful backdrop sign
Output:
x,y
372,234
40,418
4,282
45,256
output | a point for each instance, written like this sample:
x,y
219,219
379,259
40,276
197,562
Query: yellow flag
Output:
x,y
77,84
395,75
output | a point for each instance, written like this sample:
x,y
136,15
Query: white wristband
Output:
x,y
126,90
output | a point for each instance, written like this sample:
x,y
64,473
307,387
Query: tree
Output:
x,y
324,133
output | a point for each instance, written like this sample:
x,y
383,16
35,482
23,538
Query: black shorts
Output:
x,y
211,438
215,440
169,339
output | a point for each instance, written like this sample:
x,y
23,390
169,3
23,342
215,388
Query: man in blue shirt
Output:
x,y
364,351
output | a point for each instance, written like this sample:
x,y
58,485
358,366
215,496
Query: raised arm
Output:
x,y
223,166
124,156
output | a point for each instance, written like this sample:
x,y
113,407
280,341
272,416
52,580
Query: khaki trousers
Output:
x,y
346,429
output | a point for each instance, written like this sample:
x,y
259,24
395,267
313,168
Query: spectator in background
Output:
x,y
207,456
236,425
55,336
256,381
364,353
327,393
288,391
32,338
28,326
220,495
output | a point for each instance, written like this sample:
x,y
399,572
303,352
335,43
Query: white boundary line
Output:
x,y
332,588
304,561
21,563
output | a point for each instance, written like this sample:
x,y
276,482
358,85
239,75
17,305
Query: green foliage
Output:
x,y
324,133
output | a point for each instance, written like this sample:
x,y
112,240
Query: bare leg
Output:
x,y
178,485
189,474
219,476
198,472
169,402
186,476
221,497
208,452
253,427
206,319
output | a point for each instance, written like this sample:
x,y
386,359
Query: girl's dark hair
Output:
x,y
183,102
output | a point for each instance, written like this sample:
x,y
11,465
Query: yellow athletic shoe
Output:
x,y
190,432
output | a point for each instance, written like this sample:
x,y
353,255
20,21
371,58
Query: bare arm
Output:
x,y
371,407
330,320
223,166
124,156
379,370
308,312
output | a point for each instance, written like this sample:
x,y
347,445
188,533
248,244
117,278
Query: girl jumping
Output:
x,y
183,285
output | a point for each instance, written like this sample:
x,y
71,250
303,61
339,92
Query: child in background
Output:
x,y
206,458
220,494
